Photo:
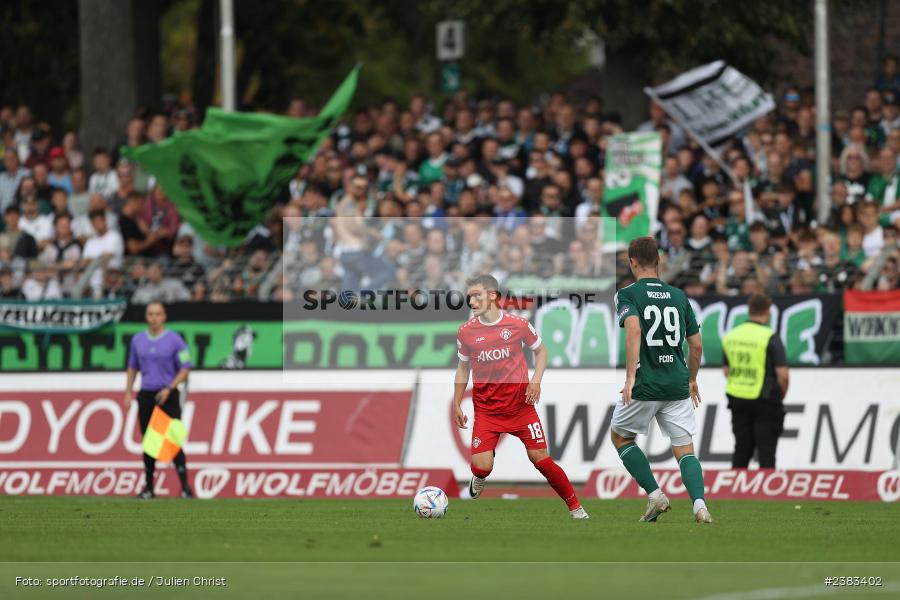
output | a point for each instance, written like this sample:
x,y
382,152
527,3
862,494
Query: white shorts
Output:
x,y
675,419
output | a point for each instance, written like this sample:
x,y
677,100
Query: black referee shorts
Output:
x,y
147,401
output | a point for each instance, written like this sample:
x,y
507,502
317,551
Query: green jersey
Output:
x,y
666,319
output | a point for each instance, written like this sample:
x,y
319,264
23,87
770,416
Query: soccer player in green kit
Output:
x,y
659,382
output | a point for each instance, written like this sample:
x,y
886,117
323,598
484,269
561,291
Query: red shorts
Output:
x,y
525,424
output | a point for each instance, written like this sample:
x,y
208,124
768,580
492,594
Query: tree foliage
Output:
x,y
514,49
303,48
39,57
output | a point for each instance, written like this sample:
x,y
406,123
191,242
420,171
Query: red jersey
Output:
x,y
496,355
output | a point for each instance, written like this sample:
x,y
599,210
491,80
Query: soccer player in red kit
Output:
x,y
491,347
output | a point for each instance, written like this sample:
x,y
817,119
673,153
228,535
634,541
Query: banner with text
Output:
x,y
872,327
71,429
59,316
828,424
714,101
578,330
762,484
224,481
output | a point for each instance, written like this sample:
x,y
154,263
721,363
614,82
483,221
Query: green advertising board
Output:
x,y
254,336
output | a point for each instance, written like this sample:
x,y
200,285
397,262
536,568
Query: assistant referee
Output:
x,y
756,368
164,362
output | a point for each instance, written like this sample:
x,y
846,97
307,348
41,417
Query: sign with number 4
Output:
x,y
450,40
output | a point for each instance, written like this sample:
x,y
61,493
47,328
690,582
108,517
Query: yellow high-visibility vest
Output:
x,y
745,347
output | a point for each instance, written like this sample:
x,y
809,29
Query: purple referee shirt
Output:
x,y
158,358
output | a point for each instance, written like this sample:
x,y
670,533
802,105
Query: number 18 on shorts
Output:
x,y
525,424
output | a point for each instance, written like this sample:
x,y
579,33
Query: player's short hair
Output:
x,y
157,303
644,250
758,304
489,282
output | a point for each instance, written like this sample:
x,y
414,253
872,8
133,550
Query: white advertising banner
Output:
x,y
836,419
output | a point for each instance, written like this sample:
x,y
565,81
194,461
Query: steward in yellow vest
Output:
x,y
756,368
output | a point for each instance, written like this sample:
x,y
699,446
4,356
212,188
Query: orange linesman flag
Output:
x,y
164,436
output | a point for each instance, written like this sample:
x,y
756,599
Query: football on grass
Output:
x,y
431,502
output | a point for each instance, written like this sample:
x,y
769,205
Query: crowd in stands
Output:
x,y
417,196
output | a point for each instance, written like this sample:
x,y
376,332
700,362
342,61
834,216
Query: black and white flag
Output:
x,y
713,102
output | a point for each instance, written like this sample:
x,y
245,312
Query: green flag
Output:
x,y
633,168
225,176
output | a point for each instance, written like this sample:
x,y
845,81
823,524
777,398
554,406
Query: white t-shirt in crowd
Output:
x,y
873,242
108,243
40,227
105,184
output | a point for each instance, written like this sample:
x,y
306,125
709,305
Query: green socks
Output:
x,y
639,467
692,476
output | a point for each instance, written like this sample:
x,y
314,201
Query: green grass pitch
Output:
x,y
487,548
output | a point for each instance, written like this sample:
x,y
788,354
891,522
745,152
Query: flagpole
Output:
x,y
748,196
823,118
226,59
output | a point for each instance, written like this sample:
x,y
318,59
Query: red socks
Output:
x,y
481,472
558,480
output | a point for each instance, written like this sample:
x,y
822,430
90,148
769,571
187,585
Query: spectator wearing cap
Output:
x,y
104,180
40,146
504,179
59,175
11,179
